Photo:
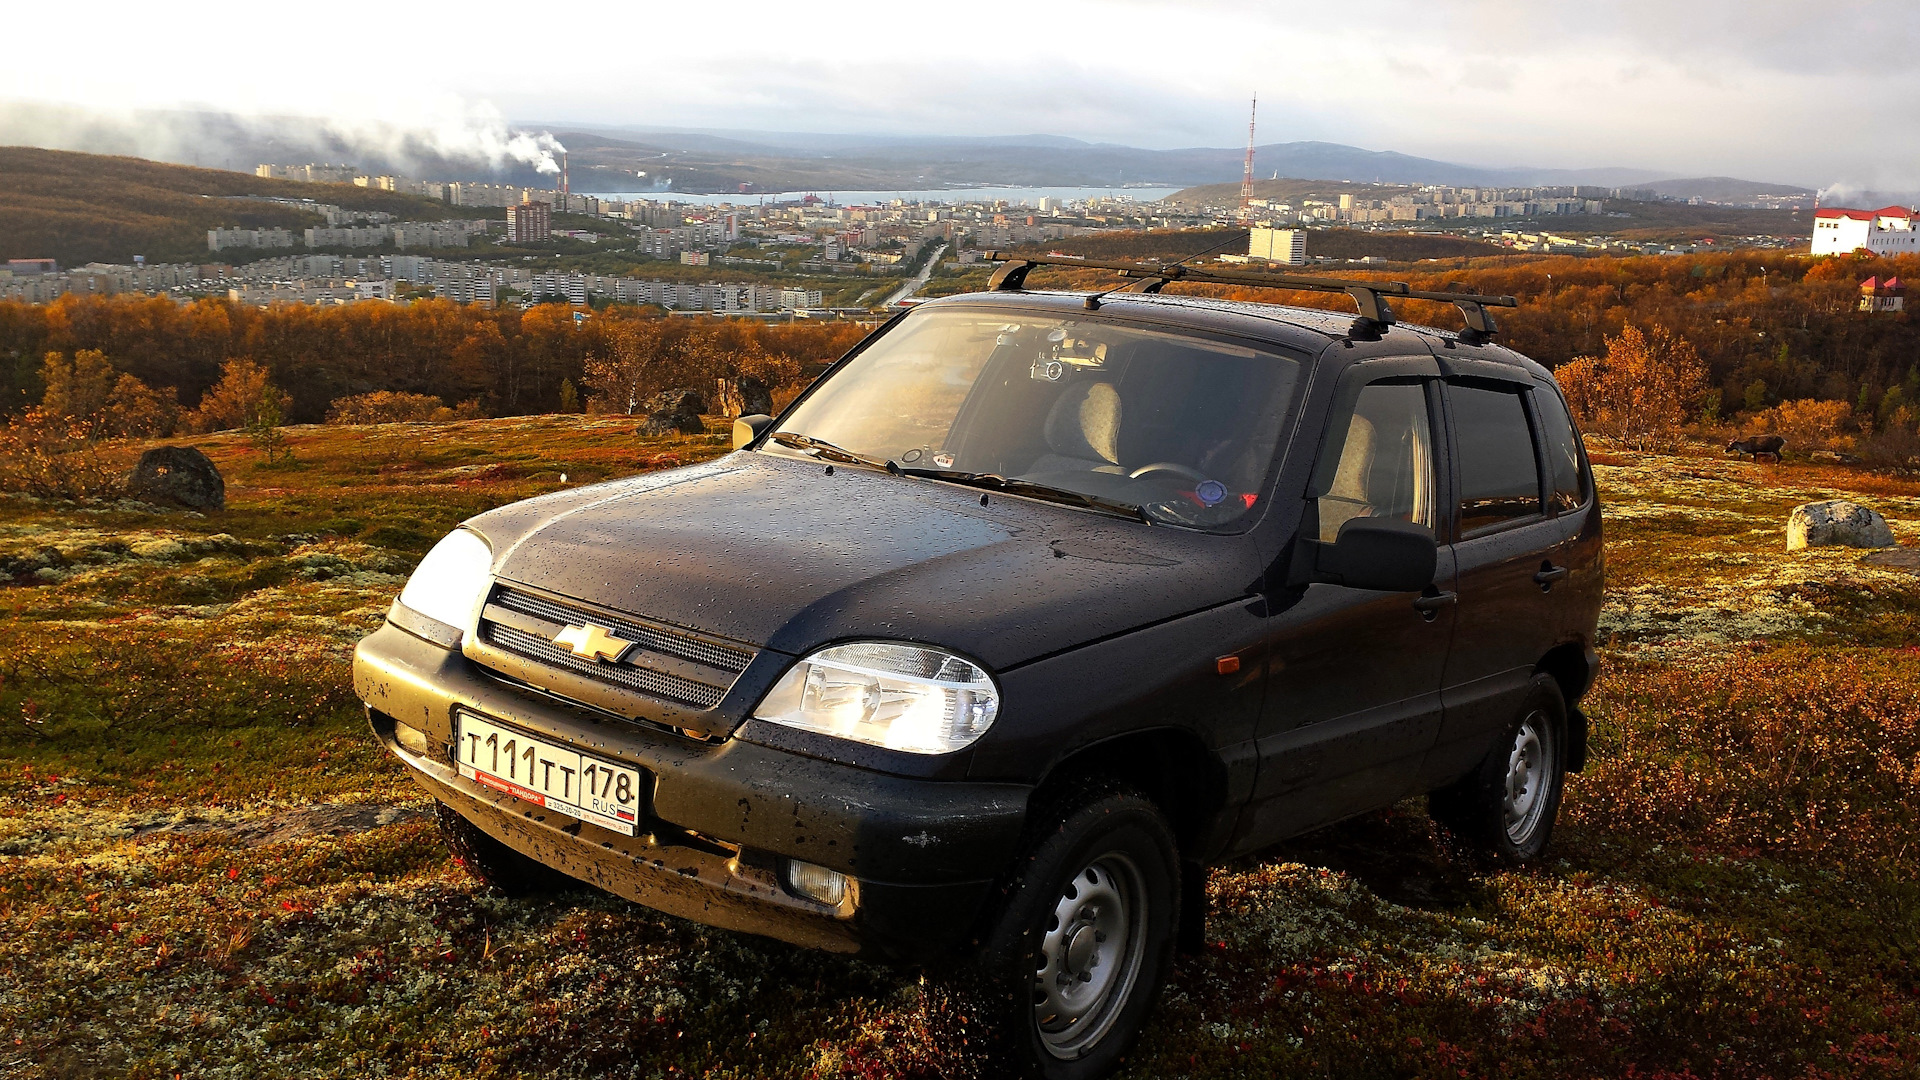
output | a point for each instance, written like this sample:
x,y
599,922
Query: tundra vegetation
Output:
x,y
208,868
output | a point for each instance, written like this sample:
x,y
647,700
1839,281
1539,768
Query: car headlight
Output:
x,y
449,581
903,697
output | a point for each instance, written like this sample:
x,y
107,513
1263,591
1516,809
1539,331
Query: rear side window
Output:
x,y
1570,479
1499,477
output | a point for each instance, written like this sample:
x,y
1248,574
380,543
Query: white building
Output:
x,y
1285,246
1887,231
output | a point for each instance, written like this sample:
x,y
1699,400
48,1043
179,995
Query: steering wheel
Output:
x,y
1168,466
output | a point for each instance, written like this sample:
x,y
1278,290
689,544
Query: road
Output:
x,y
919,279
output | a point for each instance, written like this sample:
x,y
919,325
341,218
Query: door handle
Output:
x,y
1547,575
1429,604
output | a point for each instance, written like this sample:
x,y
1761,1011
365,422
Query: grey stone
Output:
x,y
674,411
180,475
1836,523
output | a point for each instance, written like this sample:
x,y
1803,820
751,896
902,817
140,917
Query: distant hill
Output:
x,y
1721,189
768,161
81,208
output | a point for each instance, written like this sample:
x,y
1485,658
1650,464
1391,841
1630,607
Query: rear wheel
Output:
x,y
1087,935
492,861
1505,809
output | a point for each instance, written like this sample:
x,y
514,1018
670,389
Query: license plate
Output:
x,y
536,771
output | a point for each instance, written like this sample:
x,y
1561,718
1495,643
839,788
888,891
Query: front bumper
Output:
x,y
923,854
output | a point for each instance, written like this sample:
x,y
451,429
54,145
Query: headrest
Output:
x,y
1085,422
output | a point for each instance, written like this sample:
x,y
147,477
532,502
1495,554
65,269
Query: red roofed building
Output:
x,y
1889,294
1887,231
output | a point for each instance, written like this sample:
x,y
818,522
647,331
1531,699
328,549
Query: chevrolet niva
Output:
x,y
1028,610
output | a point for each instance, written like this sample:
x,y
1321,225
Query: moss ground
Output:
x,y
207,869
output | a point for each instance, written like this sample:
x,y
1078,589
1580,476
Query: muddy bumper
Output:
x,y
723,818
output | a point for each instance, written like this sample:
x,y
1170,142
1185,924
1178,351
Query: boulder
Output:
x,y
180,475
744,396
1836,523
674,411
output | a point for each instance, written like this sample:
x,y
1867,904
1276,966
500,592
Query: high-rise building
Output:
x,y
529,223
1285,246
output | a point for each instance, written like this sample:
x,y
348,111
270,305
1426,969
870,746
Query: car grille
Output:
x,y
714,666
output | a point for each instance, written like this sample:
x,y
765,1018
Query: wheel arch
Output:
x,y
1572,666
1170,766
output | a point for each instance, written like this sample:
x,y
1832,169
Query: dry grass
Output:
x,y
207,869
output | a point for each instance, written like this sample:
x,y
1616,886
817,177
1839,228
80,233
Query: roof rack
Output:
x,y
1369,296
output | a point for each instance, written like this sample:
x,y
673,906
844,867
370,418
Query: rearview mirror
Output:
x,y
748,428
1379,553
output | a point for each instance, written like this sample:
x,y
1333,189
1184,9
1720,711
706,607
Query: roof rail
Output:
x,y
1369,296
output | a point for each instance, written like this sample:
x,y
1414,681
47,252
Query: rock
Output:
x,y
674,411
744,397
1836,523
180,475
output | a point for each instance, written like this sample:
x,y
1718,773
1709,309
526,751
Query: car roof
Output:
x,y
1309,330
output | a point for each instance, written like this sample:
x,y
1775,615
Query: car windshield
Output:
x,y
1181,426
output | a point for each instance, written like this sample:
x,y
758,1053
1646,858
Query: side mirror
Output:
x,y
748,428
1379,553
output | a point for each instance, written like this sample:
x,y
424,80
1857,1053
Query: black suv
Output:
x,y
1028,610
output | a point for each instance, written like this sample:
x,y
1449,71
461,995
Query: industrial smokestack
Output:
x,y
563,174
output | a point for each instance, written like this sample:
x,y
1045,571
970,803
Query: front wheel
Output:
x,y
1505,809
1087,934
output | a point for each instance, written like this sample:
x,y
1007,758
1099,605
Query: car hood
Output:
x,y
777,552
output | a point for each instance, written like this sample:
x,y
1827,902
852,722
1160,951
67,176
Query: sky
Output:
x,y
1814,92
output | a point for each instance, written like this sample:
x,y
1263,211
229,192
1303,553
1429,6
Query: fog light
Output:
x,y
817,883
410,738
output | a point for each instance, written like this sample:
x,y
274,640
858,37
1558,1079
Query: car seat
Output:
x,y
1082,430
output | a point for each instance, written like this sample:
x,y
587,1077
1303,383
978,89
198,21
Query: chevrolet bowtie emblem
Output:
x,y
592,642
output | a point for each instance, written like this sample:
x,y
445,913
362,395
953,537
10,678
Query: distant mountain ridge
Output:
x,y
1054,159
611,157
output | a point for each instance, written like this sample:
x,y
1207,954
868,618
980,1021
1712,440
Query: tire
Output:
x,y
493,862
1504,810
1086,933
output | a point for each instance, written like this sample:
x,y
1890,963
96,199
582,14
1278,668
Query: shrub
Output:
x,y
1809,423
104,403
390,407
1648,385
237,399
55,456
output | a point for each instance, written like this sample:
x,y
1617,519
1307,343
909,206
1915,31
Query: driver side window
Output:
x,y
1378,460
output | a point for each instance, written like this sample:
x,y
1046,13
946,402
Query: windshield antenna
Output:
x,y
1152,284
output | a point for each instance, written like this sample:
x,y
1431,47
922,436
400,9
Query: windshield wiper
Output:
x,y
823,449
1014,485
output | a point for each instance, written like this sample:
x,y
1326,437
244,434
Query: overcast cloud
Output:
x,y
1814,92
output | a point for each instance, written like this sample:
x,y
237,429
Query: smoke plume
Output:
x,y
454,141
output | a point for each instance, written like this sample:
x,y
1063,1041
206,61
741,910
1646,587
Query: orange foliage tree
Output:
x,y
1646,386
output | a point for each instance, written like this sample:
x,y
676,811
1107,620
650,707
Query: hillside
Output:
x,y
81,208
208,866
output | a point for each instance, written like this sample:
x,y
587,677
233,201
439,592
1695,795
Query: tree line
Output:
x,y
498,361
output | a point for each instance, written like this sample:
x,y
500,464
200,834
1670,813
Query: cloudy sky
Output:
x,y
1815,92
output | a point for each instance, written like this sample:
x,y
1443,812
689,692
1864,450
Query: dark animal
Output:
x,y
1756,445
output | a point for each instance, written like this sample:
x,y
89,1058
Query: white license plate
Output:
x,y
536,771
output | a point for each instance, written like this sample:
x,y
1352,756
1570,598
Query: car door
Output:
x,y
1353,702
1508,557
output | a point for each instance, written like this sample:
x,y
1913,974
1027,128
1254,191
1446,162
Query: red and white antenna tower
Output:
x,y
1246,178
